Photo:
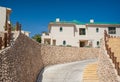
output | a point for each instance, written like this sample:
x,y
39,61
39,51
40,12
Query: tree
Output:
x,y
37,37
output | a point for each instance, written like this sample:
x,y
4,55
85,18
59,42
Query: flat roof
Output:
x,y
82,23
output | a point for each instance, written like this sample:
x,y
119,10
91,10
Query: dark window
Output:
x,y
98,42
64,42
97,29
82,31
112,30
61,29
82,44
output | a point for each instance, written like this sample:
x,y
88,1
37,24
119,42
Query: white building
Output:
x,y
4,17
26,33
78,34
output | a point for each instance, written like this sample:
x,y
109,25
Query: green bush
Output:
x,y
68,45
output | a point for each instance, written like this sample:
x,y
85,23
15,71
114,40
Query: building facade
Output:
x,y
78,34
4,18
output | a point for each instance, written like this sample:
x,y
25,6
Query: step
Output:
x,y
90,73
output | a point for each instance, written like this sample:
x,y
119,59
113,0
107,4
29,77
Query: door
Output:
x,y
82,44
54,42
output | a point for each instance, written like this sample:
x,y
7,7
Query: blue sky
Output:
x,y
35,15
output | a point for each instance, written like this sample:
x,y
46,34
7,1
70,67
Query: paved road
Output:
x,y
69,72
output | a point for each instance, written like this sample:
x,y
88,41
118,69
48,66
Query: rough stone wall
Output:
x,y
54,54
106,70
21,62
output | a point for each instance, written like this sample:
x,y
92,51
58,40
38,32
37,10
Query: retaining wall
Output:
x,y
54,54
23,61
106,69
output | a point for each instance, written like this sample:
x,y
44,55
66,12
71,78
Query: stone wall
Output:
x,y
54,54
23,61
106,69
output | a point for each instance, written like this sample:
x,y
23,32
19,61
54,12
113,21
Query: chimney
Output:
x,y
57,19
8,22
91,20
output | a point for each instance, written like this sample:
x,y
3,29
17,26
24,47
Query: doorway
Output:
x,y
47,41
83,43
54,42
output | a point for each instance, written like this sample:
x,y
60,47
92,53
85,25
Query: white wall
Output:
x,y
95,36
66,32
2,18
68,35
91,34
118,31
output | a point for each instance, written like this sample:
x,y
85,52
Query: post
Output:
x,y
105,35
108,36
5,40
112,56
0,43
117,66
111,36
119,70
20,27
106,46
109,52
9,34
17,26
115,60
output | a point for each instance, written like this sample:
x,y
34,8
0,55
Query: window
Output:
x,y
61,29
112,30
64,42
98,43
82,31
97,29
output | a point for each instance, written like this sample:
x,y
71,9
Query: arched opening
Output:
x,y
97,29
61,29
64,42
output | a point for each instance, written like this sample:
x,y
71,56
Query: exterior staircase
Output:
x,y
90,73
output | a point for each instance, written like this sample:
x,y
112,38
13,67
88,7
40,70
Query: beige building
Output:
x,y
74,33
